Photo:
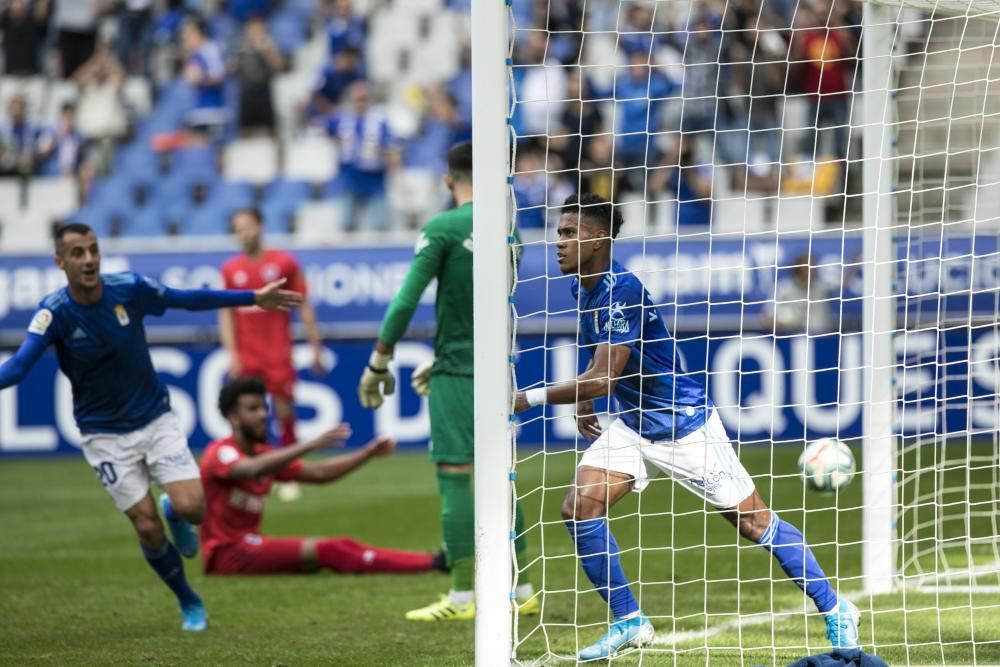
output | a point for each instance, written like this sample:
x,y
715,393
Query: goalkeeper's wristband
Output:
x,y
536,396
378,362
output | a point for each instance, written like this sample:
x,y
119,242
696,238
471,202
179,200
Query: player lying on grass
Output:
x,y
121,406
665,421
238,472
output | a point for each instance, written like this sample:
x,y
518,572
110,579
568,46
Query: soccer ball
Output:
x,y
827,465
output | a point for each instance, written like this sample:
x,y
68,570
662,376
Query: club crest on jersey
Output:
x,y
270,273
617,322
122,315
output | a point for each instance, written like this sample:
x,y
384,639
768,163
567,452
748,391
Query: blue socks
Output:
x,y
166,562
598,553
789,548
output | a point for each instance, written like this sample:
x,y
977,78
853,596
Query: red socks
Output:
x,y
342,554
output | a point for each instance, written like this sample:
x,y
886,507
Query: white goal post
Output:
x,y
905,224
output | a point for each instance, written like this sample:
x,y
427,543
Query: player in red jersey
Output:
x,y
237,473
260,342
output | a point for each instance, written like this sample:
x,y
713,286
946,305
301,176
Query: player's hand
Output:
x,y
272,297
381,446
586,421
335,437
421,380
377,381
520,402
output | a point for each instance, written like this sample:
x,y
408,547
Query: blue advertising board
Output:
x,y
724,283
765,389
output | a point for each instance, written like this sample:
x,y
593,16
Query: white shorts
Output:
x,y
125,462
703,462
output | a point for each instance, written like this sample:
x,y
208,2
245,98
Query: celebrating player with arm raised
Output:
x,y
444,251
238,472
121,406
666,421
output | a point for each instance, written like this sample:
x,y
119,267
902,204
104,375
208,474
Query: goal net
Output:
x,y
811,197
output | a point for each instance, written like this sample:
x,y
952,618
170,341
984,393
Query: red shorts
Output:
x,y
257,555
280,376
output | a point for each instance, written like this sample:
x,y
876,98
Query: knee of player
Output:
x,y
580,508
149,529
190,508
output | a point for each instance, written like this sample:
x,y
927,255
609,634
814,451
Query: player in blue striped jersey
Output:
x,y
121,405
665,422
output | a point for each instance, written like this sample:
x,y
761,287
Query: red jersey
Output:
x,y
234,507
826,71
263,335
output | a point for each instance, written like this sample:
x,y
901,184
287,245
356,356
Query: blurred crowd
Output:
x,y
631,100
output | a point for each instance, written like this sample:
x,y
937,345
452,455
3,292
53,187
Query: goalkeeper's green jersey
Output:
x,y
444,251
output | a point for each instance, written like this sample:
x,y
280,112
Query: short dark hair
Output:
x,y
596,208
460,161
70,228
252,211
230,395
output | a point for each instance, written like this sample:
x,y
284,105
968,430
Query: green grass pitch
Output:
x,y
76,591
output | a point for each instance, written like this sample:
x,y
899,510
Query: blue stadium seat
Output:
x,y
288,30
232,195
279,215
210,219
195,160
149,221
283,190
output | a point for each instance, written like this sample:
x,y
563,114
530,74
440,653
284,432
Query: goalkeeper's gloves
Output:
x,y
376,382
421,380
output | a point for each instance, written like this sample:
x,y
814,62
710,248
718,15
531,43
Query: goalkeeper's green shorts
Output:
x,y
452,430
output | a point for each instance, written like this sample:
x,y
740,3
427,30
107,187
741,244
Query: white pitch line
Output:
x,y
745,621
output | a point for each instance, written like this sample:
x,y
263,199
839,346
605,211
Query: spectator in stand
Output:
x,y
441,128
541,87
689,184
581,121
825,53
18,141
639,92
135,36
245,10
460,86
530,188
60,149
343,27
23,25
597,172
367,153
255,63
205,72
101,111
75,23
344,68
700,44
802,302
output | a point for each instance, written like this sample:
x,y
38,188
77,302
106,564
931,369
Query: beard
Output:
x,y
253,433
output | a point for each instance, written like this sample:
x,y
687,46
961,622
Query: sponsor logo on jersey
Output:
x,y
247,502
270,273
40,322
617,322
122,315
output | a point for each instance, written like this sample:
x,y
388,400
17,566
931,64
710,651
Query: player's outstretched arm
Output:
x,y
335,467
252,467
270,297
16,368
598,381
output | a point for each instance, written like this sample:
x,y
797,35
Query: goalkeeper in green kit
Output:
x,y
444,251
